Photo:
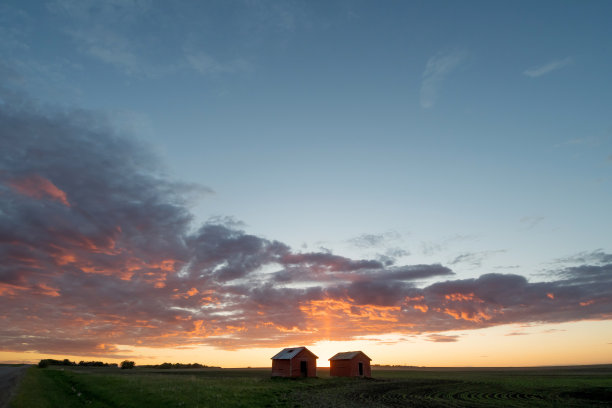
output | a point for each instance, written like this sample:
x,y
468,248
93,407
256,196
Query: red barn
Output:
x,y
350,364
294,362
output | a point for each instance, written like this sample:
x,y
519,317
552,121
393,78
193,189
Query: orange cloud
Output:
x,y
108,248
336,319
422,308
477,317
154,273
8,289
38,187
460,297
293,329
186,295
327,307
48,290
65,259
106,347
100,270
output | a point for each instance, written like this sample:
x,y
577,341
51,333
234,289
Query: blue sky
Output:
x,y
476,135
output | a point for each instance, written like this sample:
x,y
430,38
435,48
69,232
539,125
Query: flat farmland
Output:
x,y
585,386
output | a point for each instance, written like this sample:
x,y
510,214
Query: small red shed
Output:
x,y
350,364
294,362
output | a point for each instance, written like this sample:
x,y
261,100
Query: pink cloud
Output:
x,y
38,187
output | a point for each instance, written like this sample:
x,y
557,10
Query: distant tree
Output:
x,y
50,361
94,364
127,364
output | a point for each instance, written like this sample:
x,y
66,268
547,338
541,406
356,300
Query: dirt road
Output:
x,y
9,377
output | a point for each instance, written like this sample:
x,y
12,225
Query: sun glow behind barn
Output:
x,y
175,187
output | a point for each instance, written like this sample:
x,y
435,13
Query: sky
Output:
x,y
427,181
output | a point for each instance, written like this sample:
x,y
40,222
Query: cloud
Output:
x,y
540,70
99,252
38,187
530,222
441,338
374,240
430,248
517,334
437,69
474,259
596,257
103,31
384,244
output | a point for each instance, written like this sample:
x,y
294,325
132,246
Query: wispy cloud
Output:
x,y
105,32
596,257
518,333
529,222
442,338
540,70
436,71
386,245
375,240
474,259
430,248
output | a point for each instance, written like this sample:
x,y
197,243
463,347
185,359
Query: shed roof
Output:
x,y
348,355
289,353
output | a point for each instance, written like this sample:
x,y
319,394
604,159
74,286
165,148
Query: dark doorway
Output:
x,y
304,368
360,369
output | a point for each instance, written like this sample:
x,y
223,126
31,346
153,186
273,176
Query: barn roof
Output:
x,y
348,355
289,353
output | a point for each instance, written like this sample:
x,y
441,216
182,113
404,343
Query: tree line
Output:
x,y
126,364
46,362
177,365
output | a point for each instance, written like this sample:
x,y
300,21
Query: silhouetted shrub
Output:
x,y
95,364
49,361
127,364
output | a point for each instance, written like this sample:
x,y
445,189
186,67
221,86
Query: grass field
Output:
x,y
111,387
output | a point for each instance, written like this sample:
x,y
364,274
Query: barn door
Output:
x,y
304,368
361,369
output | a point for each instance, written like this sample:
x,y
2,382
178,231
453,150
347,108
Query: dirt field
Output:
x,y
9,377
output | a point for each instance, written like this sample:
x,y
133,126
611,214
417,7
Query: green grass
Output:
x,y
107,387
71,387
